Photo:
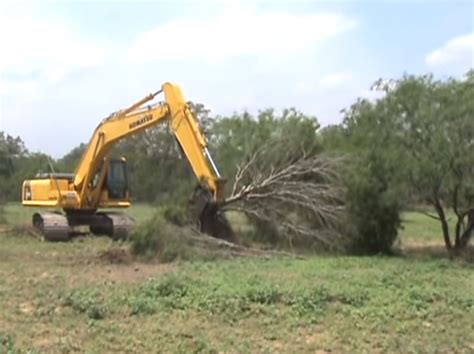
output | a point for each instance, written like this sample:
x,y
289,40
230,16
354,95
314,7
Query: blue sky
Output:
x,y
67,64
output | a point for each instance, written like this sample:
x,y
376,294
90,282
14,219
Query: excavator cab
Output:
x,y
117,179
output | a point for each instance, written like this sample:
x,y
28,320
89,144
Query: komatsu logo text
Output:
x,y
141,121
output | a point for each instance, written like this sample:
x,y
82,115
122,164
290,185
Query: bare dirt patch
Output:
x,y
128,273
116,255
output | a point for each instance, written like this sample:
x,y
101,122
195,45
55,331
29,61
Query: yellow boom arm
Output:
x,y
137,118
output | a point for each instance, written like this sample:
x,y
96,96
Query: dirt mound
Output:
x,y
116,255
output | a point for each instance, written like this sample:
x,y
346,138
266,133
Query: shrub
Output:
x,y
7,343
157,238
86,301
168,242
176,215
374,205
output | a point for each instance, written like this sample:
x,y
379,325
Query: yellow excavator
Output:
x,y
100,182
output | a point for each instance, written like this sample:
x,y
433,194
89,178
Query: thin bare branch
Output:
x,y
430,215
299,193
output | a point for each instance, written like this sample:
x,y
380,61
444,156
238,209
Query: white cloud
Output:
x,y
237,32
23,86
334,80
458,50
36,50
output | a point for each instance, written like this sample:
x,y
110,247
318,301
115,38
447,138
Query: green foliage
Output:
x,y
86,302
7,344
433,129
12,151
378,289
233,138
311,301
412,145
144,238
251,294
375,195
159,239
175,214
18,164
158,171
374,205
69,162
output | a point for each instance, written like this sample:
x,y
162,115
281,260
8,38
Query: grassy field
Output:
x,y
62,297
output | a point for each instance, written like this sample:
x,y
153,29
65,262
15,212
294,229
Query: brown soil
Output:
x,y
116,255
126,273
4,228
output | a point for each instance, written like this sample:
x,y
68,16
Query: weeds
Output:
x,y
7,344
160,239
86,302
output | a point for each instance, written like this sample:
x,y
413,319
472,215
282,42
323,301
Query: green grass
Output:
x,y
59,297
418,227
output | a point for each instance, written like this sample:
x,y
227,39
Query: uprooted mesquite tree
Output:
x,y
290,196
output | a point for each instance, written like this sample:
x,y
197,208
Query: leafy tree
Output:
x,y
70,161
422,133
158,170
374,198
436,124
12,151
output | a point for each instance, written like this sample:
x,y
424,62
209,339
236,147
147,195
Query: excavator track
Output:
x,y
121,225
115,225
53,226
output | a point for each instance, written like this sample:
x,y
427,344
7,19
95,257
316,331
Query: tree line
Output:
x,y
413,146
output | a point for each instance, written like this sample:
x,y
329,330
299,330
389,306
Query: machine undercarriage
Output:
x,y
58,226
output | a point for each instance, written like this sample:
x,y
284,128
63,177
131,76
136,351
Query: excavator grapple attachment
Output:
x,y
211,220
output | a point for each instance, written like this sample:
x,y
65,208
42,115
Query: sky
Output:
x,y
65,65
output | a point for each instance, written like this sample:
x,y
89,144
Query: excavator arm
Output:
x,y
137,118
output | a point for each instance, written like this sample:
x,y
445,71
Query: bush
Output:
x,y
176,215
7,343
374,205
157,238
88,302
167,242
